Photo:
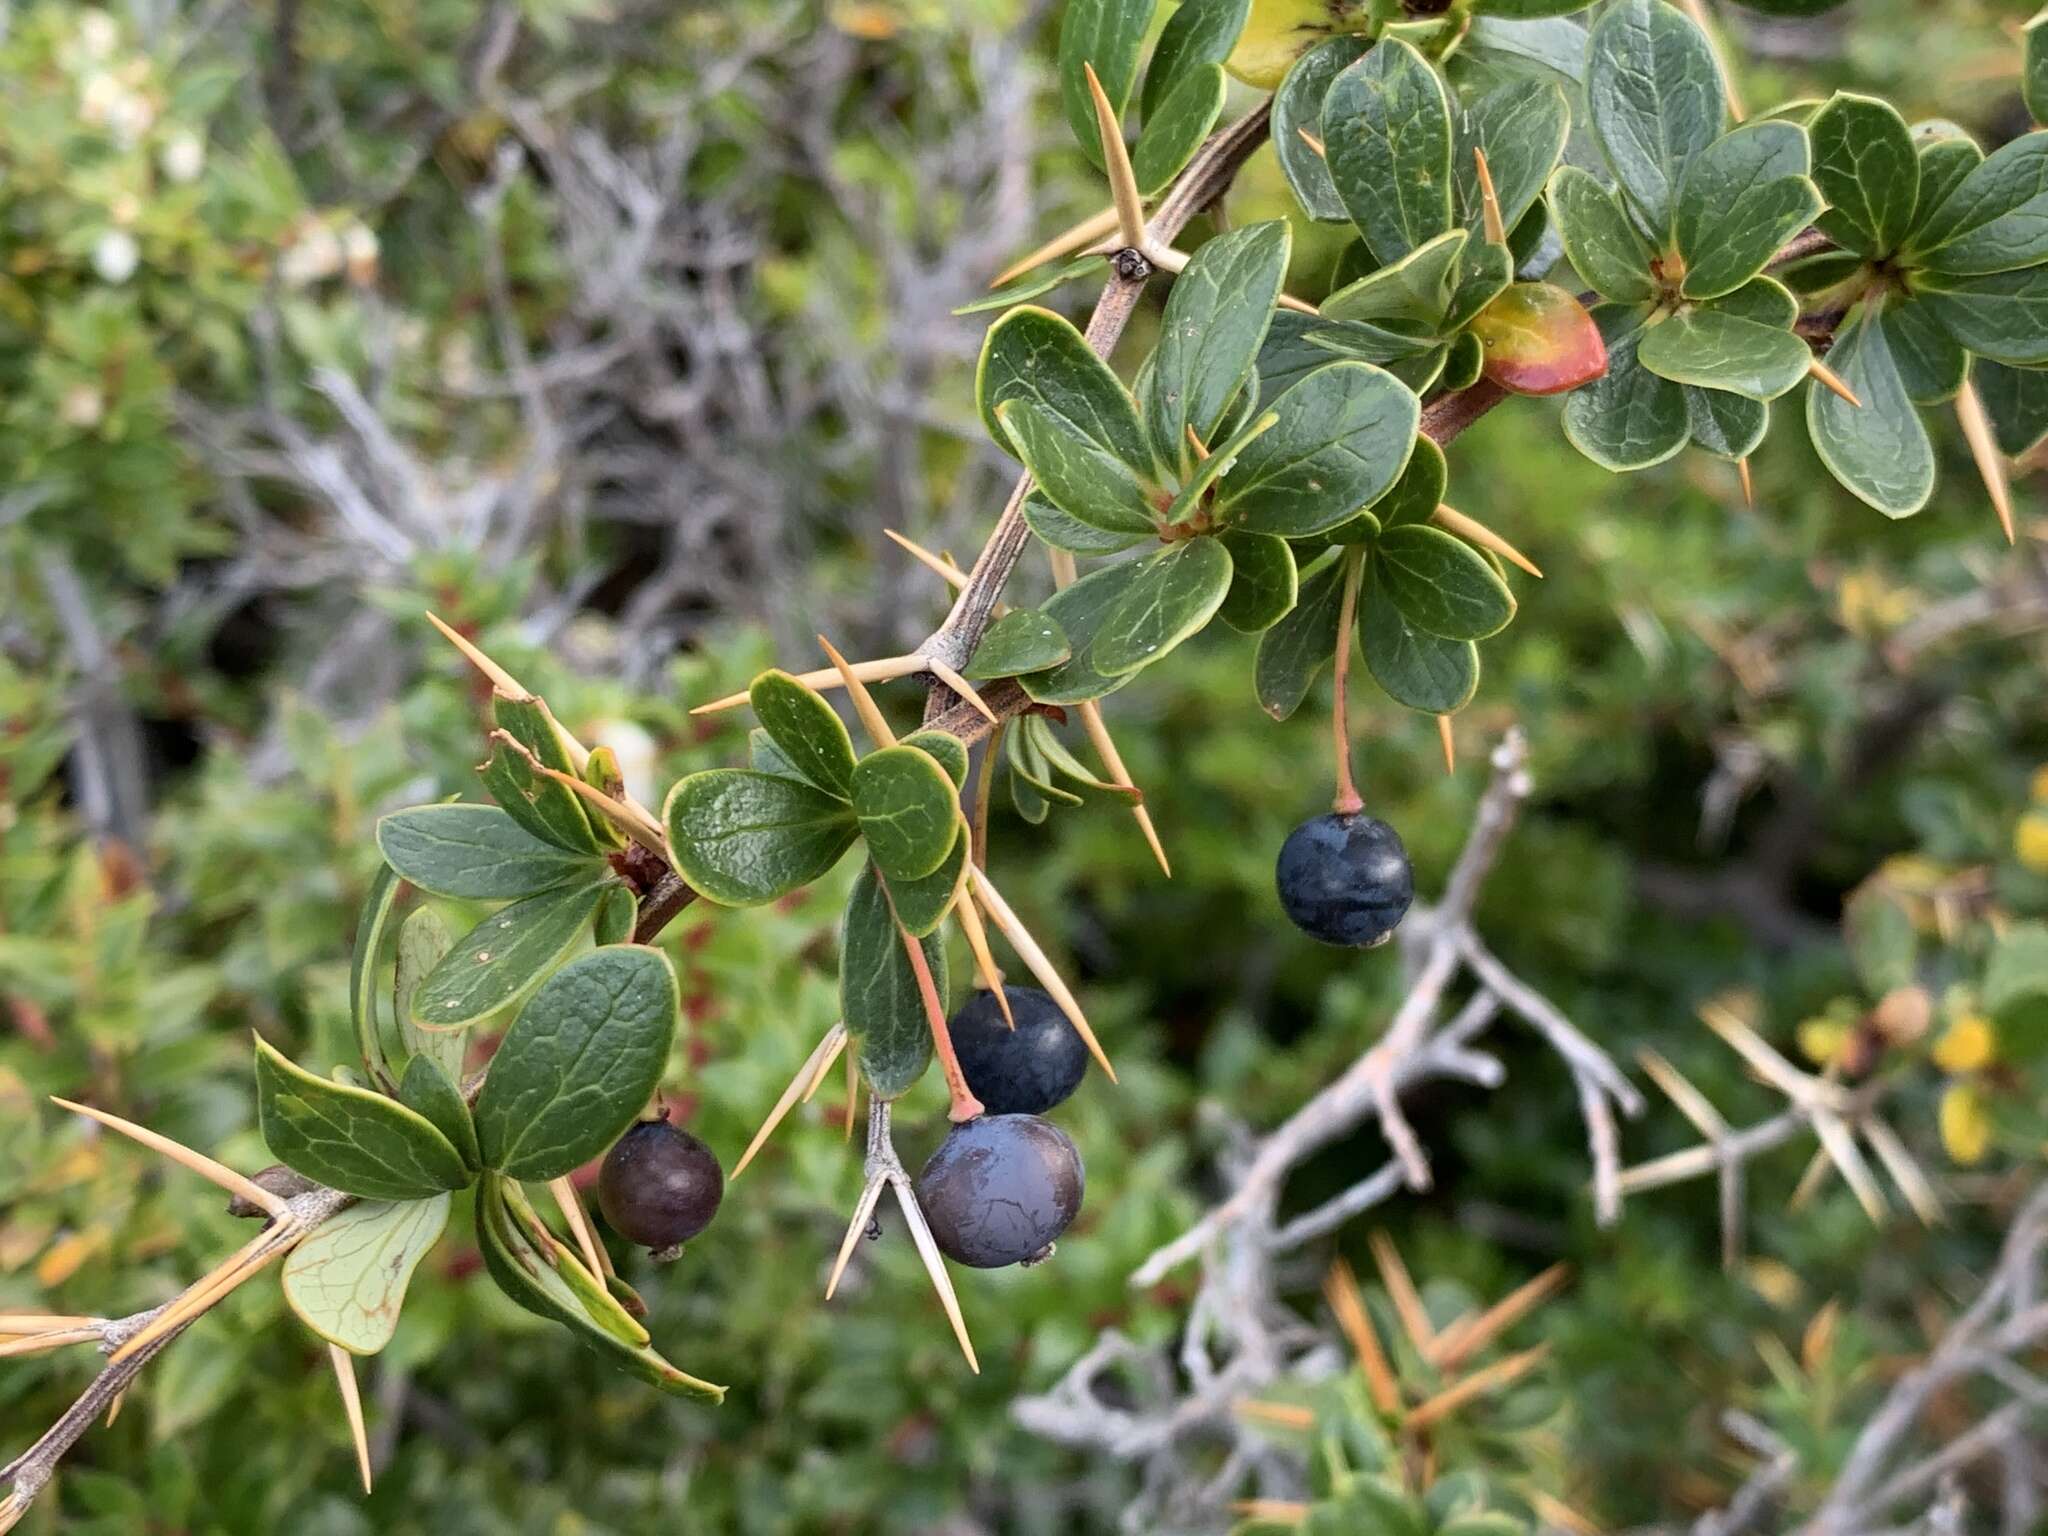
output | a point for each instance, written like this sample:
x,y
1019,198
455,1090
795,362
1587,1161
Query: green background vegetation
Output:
x,y
379,340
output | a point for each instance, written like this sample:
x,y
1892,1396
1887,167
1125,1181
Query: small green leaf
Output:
x,y
743,838
373,923
429,1093
580,1061
423,938
1743,197
1080,611
1301,644
1109,34
1209,338
1263,582
921,905
2016,400
1628,418
1537,339
1946,161
1175,132
1599,242
1522,127
347,1281
552,810
476,853
1996,219
1070,533
1199,32
505,955
1076,475
1175,593
2018,969
763,756
1033,354
1387,130
1298,105
1932,365
1528,10
1485,272
1414,291
1442,584
908,808
534,1280
1022,640
878,992
946,749
1654,102
1418,669
1725,425
2000,315
806,729
1415,497
1879,450
1725,352
349,1138
616,915
1032,286
1864,165
2034,67
1343,437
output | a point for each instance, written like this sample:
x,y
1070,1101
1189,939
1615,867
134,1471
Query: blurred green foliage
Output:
x,y
1789,655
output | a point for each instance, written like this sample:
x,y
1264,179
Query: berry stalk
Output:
x,y
1347,801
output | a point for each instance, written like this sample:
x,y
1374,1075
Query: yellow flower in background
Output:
x,y
1966,1045
2040,786
2030,839
1965,1126
1821,1038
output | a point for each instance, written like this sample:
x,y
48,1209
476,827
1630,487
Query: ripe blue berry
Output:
x,y
1000,1189
1345,879
659,1186
1021,1071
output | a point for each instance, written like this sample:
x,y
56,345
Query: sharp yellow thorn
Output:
x,y
1299,306
1469,1335
501,680
1816,1174
1456,1396
571,1206
1195,443
935,1266
1449,741
1340,1288
1906,1173
1087,232
1471,528
852,1097
1313,143
1748,485
352,1406
1286,1415
239,1267
1559,1513
1105,748
114,1408
43,1322
226,1177
1035,960
832,1045
56,1338
887,669
1489,200
944,568
1827,376
1847,1157
1123,181
12,1508
1274,1511
1166,258
1984,449
630,818
1401,1288
969,917
863,1211
863,701
964,688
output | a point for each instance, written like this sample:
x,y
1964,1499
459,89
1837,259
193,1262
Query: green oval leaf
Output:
x,y
921,905
1298,105
1216,317
1414,292
1077,475
347,1281
1263,582
1302,643
1653,100
431,1094
743,838
373,923
1628,418
1108,34
1199,32
349,1138
1071,534
1440,583
878,991
1996,219
948,750
423,939
1864,165
1022,640
1521,127
505,955
476,853
1033,354
2000,315
908,808
1418,669
1725,352
1175,132
806,729
1175,593
580,1061
1081,610
1599,241
1387,131
1743,198
1343,437
546,807
1880,449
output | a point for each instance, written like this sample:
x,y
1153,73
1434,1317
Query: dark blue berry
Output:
x,y
1000,1189
1021,1071
659,1186
1345,879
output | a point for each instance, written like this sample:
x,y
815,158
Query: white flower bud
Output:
x,y
82,406
98,34
115,255
313,255
359,252
183,156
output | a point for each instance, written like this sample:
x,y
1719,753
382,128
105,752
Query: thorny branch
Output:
x,y
1239,1335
